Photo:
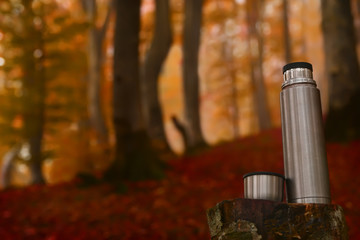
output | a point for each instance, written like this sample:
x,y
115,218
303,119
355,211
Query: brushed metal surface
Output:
x,y
305,163
266,187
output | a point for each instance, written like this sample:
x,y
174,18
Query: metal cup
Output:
x,y
264,185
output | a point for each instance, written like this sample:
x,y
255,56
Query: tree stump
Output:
x,y
262,219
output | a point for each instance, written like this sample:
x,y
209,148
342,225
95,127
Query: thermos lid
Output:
x,y
298,72
297,65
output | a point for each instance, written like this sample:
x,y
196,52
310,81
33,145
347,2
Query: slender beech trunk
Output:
x,y
34,94
256,42
151,69
134,158
95,57
303,29
7,165
37,120
126,95
342,66
287,39
356,10
232,71
192,27
228,55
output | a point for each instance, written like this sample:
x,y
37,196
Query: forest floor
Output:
x,y
173,208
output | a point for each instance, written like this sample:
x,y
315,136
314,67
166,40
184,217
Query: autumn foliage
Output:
x,y
173,208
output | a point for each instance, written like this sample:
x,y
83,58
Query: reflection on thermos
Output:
x,y
306,170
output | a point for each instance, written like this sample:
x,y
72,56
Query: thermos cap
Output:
x,y
264,185
297,65
297,72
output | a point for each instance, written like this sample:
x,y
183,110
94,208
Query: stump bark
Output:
x,y
261,219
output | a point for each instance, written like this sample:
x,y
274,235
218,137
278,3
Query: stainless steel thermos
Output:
x,y
305,164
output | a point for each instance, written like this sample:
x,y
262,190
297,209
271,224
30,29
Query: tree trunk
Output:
x,y
304,12
34,124
7,165
229,60
260,219
287,39
134,158
355,6
34,95
95,58
254,17
228,49
342,66
151,69
192,26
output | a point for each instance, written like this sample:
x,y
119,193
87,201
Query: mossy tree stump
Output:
x,y
261,219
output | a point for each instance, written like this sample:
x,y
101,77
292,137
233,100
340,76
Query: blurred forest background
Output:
x,y
203,73
165,90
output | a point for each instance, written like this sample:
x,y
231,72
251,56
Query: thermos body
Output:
x,y
305,163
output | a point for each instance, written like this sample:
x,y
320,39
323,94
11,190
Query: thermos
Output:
x,y
305,163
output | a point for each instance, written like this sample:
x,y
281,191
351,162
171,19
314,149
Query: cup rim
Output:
x,y
263,173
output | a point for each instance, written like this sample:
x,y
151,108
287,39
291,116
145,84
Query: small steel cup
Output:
x,y
264,185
